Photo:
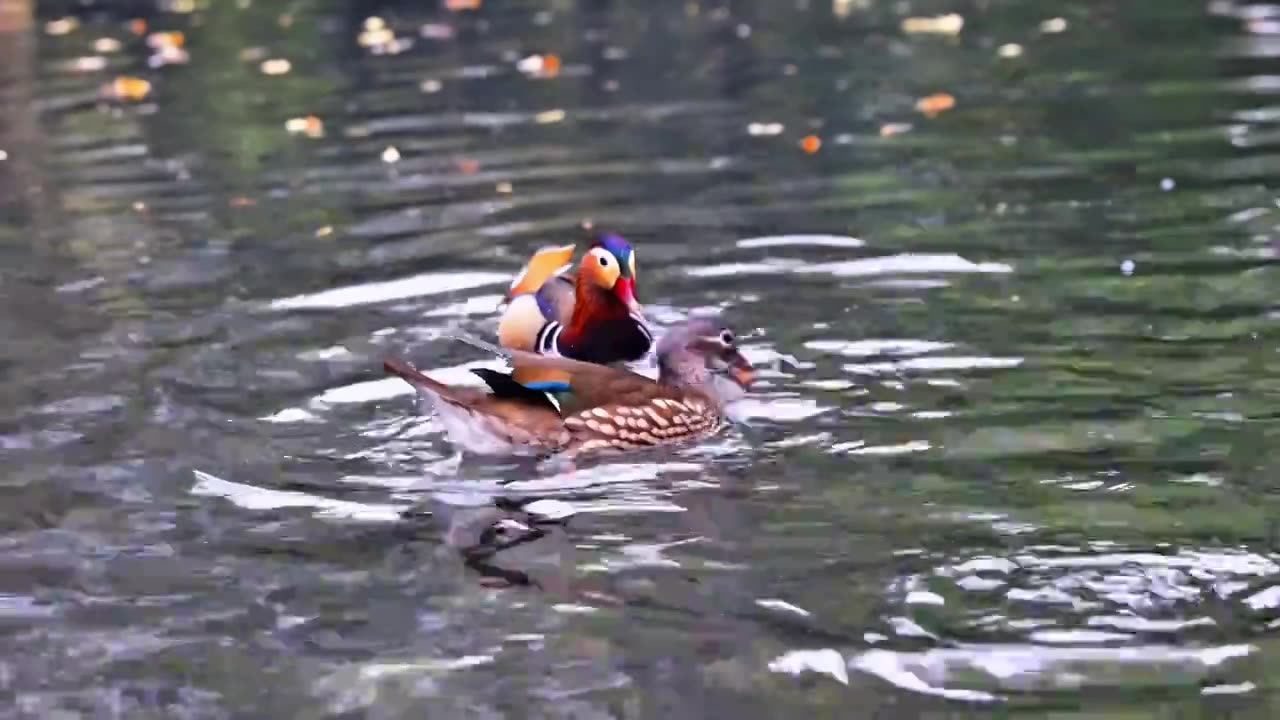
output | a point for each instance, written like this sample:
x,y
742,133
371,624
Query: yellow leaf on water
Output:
x,y
547,117
941,25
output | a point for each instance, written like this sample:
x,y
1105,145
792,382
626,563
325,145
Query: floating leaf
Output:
x,y
276,66
891,129
811,144
941,25
127,87
547,65
310,125
549,116
62,26
1009,51
88,63
934,104
458,5
169,56
757,129
106,45
138,26
1053,26
157,40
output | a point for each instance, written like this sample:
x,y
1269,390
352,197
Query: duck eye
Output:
x,y
604,261
726,337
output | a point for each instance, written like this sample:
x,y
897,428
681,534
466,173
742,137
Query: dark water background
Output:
x,y
1015,455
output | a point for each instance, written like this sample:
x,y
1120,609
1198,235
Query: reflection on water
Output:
x,y
1008,270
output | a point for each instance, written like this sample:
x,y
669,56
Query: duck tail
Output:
x,y
430,387
544,264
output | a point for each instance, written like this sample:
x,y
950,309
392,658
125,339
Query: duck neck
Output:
x,y
683,369
602,329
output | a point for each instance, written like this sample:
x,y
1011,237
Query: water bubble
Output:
x,y
1167,184
1127,267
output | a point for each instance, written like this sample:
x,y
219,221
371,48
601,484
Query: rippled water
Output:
x,y
1016,301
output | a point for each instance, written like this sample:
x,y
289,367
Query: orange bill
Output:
x,y
544,264
744,376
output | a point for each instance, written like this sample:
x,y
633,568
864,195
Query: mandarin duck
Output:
x,y
593,316
605,408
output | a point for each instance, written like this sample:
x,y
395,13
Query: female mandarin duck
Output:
x,y
593,317
606,408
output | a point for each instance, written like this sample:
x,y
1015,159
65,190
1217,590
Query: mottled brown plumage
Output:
x,y
606,408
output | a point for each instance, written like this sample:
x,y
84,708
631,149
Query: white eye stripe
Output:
x,y
603,257
632,262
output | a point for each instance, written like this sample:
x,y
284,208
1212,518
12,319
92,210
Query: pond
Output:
x,y
1008,271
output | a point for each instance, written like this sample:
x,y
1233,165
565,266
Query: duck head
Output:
x,y
691,355
609,266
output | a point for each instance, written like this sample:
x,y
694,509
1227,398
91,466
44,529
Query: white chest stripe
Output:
x,y
548,339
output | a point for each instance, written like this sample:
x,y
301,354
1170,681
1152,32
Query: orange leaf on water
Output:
x,y
138,26
310,125
241,201
811,144
467,166
157,40
934,104
545,66
126,87
457,5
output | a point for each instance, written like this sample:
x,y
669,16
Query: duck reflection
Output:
x,y
511,543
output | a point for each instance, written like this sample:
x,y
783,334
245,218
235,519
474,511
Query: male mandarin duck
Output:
x,y
593,317
606,408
